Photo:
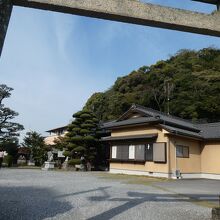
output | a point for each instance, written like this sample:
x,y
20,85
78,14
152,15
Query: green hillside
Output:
x,y
192,78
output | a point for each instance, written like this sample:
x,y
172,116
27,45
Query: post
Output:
x,y
216,214
5,13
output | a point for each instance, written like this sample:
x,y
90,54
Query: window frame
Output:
x,y
152,145
128,160
182,146
165,153
144,146
131,145
116,149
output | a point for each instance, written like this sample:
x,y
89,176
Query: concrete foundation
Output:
x,y
5,13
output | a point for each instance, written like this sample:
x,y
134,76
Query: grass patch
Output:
x,y
133,179
26,167
204,203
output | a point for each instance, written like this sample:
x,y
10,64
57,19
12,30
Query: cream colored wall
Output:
x,y
141,130
203,158
50,139
148,166
157,167
127,166
210,158
185,165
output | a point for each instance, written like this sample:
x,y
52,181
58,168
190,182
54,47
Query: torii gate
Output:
x,y
128,11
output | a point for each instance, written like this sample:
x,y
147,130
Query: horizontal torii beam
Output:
x,y
213,2
133,11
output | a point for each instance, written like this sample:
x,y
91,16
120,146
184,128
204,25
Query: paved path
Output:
x,y
36,195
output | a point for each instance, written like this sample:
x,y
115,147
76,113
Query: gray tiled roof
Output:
x,y
171,123
58,129
210,130
168,118
130,121
183,132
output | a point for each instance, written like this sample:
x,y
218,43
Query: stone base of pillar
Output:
x,y
216,213
48,166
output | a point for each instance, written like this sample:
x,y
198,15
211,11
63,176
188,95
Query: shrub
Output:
x,y
8,160
74,162
76,138
89,138
87,126
84,131
66,153
85,115
71,146
76,129
80,149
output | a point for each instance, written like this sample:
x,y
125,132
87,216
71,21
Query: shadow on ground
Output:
x,y
34,203
135,198
25,203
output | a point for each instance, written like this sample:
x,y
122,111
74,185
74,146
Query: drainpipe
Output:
x,y
176,163
168,151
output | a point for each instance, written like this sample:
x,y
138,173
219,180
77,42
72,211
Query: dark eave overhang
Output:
x,y
180,126
212,139
131,137
131,123
182,133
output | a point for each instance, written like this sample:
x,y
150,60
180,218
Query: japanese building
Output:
x,y
148,142
54,134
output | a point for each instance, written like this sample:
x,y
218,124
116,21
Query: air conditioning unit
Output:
x,y
177,174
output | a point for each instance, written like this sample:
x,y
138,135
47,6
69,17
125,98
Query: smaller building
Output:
x,y
54,134
144,141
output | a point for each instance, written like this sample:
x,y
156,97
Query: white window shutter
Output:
x,y
159,152
114,152
132,152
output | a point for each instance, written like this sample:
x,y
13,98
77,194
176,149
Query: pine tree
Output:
x,y
35,142
81,139
8,130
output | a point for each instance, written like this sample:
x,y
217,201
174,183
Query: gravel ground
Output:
x,y
35,195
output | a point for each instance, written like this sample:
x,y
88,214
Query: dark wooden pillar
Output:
x,y
5,13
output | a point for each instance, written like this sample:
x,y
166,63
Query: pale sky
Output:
x,y
55,61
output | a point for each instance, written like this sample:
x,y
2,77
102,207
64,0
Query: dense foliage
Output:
x,y
38,149
81,137
8,130
193,78
11,147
